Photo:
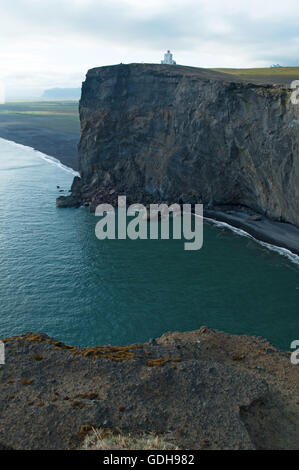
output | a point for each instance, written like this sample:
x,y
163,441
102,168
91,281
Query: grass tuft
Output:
x,y
106,439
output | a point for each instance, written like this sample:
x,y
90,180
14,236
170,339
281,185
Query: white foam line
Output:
x,y
278,249
55,161
47,158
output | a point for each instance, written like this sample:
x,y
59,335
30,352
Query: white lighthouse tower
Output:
x,y
168,59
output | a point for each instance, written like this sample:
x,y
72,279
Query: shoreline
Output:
x,y
59,144
279,234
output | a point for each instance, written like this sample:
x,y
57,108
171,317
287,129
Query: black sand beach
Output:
x,y
61,145
260,227
52,127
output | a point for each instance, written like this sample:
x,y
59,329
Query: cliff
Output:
x,y
205,389
174,133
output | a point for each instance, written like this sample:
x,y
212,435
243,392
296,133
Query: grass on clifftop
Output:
x,y
280,75
55,115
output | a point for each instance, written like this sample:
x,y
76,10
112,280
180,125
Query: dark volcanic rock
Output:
x,y
226,392
67,201
74,200
181,133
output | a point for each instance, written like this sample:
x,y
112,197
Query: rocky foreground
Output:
x,y
209,389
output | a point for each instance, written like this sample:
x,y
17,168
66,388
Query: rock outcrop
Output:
x,y
205,389
173,133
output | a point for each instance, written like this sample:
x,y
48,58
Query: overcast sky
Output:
x,y
52,43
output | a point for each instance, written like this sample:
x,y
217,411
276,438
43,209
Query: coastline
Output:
x,y
59,144
207,389
279,234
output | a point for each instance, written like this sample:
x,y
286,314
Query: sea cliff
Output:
x,y
174,133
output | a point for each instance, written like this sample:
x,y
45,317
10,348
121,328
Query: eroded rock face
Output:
x,y
205,388
155,132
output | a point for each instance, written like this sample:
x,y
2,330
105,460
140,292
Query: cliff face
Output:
x,y
175,133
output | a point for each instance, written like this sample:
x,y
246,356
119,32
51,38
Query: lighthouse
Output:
x,y
168,59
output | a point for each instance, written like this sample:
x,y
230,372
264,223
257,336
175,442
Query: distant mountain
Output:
x,y
62,93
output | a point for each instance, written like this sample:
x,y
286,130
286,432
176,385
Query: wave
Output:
x,y
47,158
57,162
278,249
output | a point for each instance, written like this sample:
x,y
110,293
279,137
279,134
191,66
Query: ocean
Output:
x,y
56,277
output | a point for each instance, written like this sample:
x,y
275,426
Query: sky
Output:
x,y
52,43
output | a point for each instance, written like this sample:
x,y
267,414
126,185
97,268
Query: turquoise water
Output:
x,y
56,277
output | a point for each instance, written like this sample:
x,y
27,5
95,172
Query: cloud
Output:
x,y
55,42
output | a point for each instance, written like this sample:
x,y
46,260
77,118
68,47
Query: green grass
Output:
x,y
281,75
53,106
56,115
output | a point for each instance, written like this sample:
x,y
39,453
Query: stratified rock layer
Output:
x,y
157,132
